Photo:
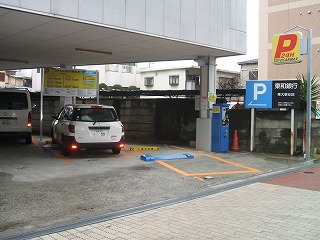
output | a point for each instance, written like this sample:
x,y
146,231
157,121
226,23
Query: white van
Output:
x,y
15,114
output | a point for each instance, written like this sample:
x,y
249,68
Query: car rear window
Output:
x,y
13,101
94,115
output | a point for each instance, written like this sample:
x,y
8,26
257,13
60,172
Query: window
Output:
x,y
13,101
126,69
253,75
112,68
174,80
148,81
193,82
94,115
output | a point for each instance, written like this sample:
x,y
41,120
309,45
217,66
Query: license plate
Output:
x,y
8,122
99,133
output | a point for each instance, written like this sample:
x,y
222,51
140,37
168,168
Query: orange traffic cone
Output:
x,y
235,146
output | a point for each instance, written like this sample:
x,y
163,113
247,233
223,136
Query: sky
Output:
x,y
229,63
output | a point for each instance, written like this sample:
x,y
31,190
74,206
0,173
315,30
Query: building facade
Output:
x,y
15,79
125,75
177,78
282,16
249,70
184,78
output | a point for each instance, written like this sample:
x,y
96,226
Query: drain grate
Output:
x,y
308,172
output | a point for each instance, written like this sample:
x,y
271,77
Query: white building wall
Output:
x,y
124,79
161,79
36,80
115,74
216,23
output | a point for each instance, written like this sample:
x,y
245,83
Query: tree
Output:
x,y
229,83
117,87
103,86
132,88
315,95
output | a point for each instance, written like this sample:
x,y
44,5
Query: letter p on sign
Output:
x,y
286,48
258,88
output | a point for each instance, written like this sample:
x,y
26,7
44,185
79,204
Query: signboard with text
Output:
x,y
286,94
272,94
286,48
73,82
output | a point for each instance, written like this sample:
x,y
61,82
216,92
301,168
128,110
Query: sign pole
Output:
x,y
97,88
308,123
292,135
41,103
252,130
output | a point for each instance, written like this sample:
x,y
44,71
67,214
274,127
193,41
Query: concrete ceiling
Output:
x,y
30,41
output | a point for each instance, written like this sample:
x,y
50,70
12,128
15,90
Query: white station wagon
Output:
x,y
79,126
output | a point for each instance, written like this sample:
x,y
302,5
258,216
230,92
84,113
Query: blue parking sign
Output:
x,y
258,94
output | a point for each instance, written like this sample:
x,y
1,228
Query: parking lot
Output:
x,y
41,188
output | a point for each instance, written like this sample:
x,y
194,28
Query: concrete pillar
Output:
x,y
212,79
204,87
207,84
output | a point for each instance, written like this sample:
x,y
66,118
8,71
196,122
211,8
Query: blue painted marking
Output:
x,y
150,158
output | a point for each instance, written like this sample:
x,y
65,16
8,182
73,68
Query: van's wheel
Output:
x,y
65,147
116,150
29,139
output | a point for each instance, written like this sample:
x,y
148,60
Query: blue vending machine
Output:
x,y
220,128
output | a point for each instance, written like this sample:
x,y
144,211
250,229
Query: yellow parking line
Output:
x,y
201,179
34,140
231,163
220,159
219,173
198,175
60,156
173,168
128,154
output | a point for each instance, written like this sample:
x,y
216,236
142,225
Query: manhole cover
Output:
x,y
140,168
308,172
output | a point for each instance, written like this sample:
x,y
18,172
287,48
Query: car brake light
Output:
x,y
121,145
74,146
96,106
71,128
29,124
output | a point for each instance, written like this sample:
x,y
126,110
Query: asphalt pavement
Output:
x,y
234,195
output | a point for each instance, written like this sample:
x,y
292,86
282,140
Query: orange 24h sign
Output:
x,y
286,48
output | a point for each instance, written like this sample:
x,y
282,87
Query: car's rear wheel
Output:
x,y
65,147
116,150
